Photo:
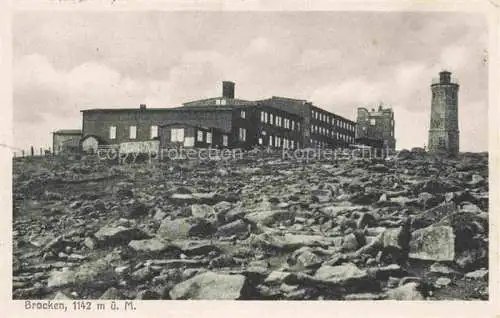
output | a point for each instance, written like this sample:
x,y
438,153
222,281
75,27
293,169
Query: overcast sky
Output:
x,y
68,61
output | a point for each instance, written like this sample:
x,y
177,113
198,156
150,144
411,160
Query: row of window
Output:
x,y
319,143
373,122
280,142
330,133
279,121
177,135
332,121
132,131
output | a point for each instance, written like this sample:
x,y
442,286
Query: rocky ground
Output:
x,y
407,229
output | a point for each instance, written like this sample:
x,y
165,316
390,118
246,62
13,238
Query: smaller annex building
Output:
x,y
66,140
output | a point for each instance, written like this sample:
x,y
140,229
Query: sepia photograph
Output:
x,y
249,155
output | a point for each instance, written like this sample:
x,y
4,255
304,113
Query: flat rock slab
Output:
x,y
154,245
113,235
340,273
269,217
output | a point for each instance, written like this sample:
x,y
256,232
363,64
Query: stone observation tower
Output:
x,y
443,132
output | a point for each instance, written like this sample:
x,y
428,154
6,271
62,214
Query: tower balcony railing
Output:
x,y
437,80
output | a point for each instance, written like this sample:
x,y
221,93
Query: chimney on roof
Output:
x,y
142,106
227,89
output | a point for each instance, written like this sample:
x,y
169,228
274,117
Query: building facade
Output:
x,y
276,122
319,128
444,132
375,128
66,140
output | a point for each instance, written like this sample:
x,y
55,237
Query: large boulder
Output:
x,y
184,228
202,211
211,286
433,243
115,235
409,291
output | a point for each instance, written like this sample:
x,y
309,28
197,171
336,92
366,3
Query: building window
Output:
x,y
271,121
265,117
372,121
199,136
293,125
292,144
260,141
392,122
209,137
243,134
177,134
242,114
133,132
154,131
112,132
224,140
261,117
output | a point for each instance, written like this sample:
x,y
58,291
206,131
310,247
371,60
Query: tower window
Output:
x,y
372,121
